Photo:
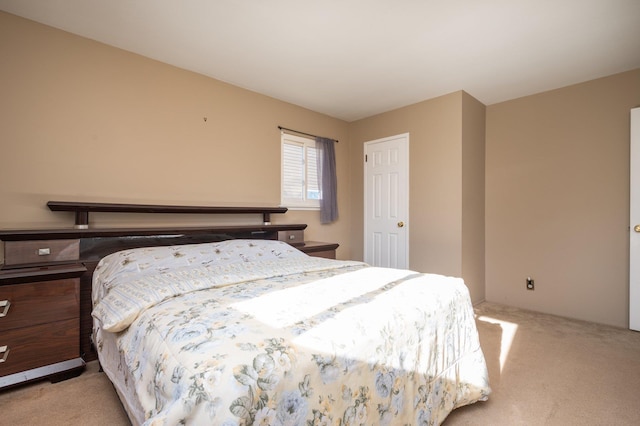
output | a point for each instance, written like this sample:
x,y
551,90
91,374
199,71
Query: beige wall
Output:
x,y
83,121
557,199
473,207
436,144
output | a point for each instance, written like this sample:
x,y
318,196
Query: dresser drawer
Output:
x,y
40,251
292,237
31,347
29,304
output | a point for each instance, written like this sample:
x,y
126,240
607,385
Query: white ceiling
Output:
x,y
354,58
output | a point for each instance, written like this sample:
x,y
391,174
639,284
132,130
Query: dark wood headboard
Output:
x,y
95,243
82,210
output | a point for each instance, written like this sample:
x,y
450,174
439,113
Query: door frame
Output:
x,y
405,202
634,217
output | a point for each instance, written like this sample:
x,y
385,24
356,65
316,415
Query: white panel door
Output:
x,y
634,214
386,193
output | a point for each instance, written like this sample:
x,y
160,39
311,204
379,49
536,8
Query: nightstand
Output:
x,y
318,249
40,323
312,248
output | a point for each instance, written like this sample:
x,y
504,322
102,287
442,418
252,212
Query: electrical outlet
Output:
x,y
530,284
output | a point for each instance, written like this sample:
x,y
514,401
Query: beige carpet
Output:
x,y
87,400
544,370
554,371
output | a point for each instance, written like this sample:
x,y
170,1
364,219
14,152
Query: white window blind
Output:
x,y
299,172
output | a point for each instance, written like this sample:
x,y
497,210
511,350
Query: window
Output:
x,y
299,188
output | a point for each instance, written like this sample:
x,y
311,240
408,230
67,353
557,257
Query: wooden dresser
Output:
x,y
39,318
45,282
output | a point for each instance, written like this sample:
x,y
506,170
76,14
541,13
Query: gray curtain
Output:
x,y
327,180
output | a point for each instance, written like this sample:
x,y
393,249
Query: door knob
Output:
x,y
401,224
636,228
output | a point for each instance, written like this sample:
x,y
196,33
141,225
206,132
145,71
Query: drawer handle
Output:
x,y
46,251
4,308
4,353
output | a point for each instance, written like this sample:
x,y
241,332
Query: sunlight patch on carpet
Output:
x,y
509,330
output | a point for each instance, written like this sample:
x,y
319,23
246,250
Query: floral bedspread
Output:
x,y
247,333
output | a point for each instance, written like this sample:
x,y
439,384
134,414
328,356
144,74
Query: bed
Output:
x,y
253,332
